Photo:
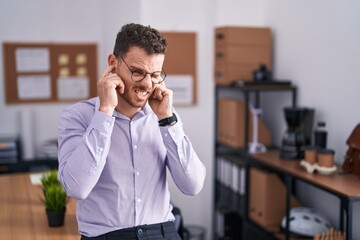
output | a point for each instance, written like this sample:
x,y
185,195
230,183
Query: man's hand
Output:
x,y
161,101
107,86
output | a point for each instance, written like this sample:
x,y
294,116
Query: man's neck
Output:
x,y
125,109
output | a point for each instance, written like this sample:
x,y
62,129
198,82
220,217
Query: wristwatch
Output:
x,y
168,121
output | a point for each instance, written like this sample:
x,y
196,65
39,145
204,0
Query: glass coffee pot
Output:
x,y
294,139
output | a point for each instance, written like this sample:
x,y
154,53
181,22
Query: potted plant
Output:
x,y
54,197
55,201
49,178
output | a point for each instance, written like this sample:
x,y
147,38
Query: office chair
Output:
x,y
178,221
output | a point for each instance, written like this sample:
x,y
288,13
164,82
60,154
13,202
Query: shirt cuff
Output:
x,y
102,122
173,133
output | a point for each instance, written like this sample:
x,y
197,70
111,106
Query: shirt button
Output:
x,y
107,124
166,134
135,147
137,173
138,200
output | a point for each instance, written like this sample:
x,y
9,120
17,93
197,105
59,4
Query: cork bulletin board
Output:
x,y
49,72
180,66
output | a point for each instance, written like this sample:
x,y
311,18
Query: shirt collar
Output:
x,y
144,111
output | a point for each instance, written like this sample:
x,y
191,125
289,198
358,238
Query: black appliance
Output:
x,y
298,134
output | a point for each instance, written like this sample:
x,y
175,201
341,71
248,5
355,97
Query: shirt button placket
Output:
x,y
136,182
135,148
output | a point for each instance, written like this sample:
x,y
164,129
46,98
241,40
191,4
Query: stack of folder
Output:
x,y
9,149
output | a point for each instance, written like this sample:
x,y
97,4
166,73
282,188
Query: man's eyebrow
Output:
x,y
136,68
141,69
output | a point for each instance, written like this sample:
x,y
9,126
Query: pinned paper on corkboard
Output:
x,y
36,72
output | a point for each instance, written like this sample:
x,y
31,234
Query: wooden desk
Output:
x,y
22,212
344,186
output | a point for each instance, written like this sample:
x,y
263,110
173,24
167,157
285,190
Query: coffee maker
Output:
x,y
298,134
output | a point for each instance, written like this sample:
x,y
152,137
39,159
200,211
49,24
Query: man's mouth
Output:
x,y
141,93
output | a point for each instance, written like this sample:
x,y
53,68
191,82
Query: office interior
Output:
x,y
315,45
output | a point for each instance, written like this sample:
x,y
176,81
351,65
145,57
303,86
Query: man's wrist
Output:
x,y
169,121
107,110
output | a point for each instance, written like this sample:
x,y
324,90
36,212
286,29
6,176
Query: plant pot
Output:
x,y
55,219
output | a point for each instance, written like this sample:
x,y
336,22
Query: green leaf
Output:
x,y
49,178
55,198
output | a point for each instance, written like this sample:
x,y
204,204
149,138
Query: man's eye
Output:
x,y
155,75
138,73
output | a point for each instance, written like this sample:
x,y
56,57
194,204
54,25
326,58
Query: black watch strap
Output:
x,y
168,121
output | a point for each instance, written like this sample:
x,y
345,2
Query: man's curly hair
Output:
x,y
141,36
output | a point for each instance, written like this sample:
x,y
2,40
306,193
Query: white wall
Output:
x,y
316,44
240,12
61,21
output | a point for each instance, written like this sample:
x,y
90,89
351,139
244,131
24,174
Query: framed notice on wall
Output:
x,y
49,72
180,66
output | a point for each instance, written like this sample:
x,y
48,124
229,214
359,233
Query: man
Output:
x,y
114,149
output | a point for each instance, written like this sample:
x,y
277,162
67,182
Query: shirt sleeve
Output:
x,y
185,167
83,148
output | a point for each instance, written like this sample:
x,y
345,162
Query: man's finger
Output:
x,y
107,71
158,93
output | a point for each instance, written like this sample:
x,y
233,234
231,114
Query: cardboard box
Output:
x,y
231,125
239,51
243,54
243,35
233,71
267,199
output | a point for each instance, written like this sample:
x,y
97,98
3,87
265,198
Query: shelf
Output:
x,y
346,185
254,231
223,149
281,236
28,166
227,200
233,157
253,86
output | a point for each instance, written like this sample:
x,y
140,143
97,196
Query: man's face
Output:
x,y
136,94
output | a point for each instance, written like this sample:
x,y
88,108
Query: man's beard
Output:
x,y
127,96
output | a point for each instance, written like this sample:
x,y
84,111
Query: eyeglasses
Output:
x,y
138,75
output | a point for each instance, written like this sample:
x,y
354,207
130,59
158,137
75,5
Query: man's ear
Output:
x,y
112,59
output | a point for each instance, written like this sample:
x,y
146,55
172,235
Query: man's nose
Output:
x,y
148,78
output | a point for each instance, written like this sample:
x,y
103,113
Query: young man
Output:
x,y
114,149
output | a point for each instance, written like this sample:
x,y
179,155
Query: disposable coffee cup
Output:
x,y
325,157
311,154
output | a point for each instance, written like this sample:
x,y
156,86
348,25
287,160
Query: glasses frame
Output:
x,y
146,73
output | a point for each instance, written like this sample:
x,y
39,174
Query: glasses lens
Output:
x,y
138,75
158,77
163,76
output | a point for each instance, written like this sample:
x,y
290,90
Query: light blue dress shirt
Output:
x,y
116,167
